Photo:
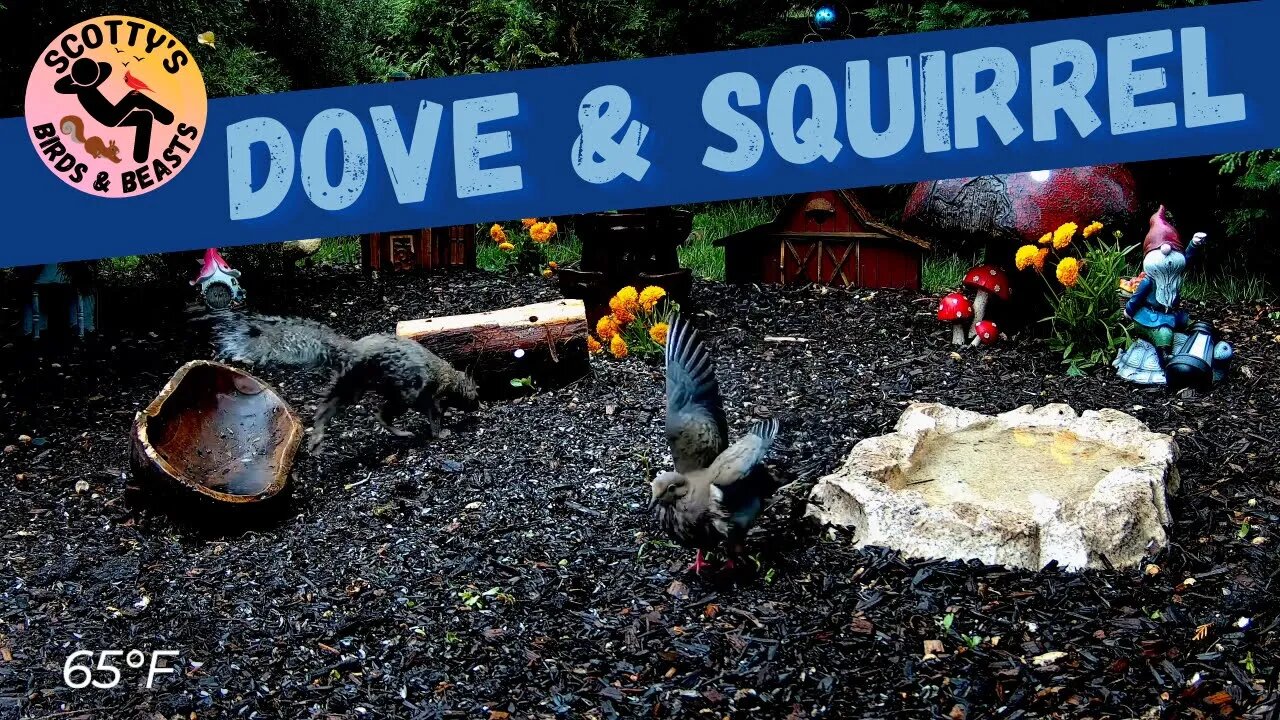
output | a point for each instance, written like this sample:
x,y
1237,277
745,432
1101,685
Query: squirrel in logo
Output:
x,y
74,126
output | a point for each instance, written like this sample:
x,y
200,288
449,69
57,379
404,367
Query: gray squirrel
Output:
x,y
404,373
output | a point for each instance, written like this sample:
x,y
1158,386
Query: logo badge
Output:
x,y
116,106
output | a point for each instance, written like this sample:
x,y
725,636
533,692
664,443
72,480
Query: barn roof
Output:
x,y
851,201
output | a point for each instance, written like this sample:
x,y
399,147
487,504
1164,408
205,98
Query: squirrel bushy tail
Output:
x,y
277,342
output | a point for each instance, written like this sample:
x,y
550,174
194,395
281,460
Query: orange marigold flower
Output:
x,y
506,246
1068,272
593,345
1025,256
553,265
658,333
618,347
1038,261
528,222
539,232
623,316
497,233
1063,235
1092,229
552,229
650,296
606,328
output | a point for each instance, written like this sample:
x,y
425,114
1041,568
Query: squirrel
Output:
x,y
74,126
402,371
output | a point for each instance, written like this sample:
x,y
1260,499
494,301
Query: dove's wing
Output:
x,y
696,426
744,455
739,483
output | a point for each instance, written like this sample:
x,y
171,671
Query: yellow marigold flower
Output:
x,y
650,296
497,233
1026,254
1091,229
629,298
552,229
1068,272
593,345
506,246
618,347
606,328
1046,238
1062,236
1038,261
659,333
546,273
528,222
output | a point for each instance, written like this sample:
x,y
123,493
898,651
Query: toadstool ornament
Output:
x,y
985,332
988,280
956,310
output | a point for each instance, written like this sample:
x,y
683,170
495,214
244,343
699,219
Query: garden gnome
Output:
x,y
1154,306
219,282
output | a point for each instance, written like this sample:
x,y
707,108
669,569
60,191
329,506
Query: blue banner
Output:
x,y
674,130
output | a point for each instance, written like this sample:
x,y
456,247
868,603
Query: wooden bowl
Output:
x,y
218,437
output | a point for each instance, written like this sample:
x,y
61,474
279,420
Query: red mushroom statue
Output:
x,y
956,310
985,332
988,280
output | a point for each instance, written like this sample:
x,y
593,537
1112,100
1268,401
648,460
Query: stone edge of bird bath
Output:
x,y
1123,518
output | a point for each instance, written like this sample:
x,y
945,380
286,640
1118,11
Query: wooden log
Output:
x,y
544,342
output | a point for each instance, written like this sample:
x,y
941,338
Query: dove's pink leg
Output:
x,y
728,564
697,565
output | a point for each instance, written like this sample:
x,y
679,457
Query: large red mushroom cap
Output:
x,y
954,308
986,332
990,278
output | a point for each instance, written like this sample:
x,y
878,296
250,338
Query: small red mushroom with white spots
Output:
x,y
988,280
985,332
955,309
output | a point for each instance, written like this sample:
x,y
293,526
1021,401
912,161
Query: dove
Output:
x,y
717,490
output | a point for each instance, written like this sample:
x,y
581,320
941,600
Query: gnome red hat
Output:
x,y
1161,232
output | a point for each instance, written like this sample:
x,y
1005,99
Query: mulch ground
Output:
x,y
509,570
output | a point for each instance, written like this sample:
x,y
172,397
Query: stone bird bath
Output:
x,y
1020,489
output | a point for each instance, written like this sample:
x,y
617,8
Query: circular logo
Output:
x,y
116,106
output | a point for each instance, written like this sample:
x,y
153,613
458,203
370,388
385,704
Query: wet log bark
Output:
x,y
545,343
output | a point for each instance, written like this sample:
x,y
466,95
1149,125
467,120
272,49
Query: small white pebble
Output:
x,y
1242,623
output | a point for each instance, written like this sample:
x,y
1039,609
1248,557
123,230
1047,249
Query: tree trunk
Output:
x,y
544,343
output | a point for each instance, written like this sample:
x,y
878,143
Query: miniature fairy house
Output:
x,y
423,249
829,238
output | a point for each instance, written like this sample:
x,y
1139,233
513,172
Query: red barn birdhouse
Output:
x,y
423,249
828,238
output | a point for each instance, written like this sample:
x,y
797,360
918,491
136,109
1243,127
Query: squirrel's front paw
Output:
x,y
313,444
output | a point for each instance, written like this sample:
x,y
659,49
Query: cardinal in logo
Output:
x,y
135,83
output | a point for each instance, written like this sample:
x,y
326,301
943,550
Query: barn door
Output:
x,y
798,261
837,263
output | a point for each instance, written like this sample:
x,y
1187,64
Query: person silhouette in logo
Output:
x,y
133,110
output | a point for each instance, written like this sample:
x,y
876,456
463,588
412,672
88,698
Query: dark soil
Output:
x,y
509,569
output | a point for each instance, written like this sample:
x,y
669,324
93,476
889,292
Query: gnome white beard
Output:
x,y
1166,272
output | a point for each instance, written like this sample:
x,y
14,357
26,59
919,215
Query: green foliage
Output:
x,y
895,18
1087,323
943,273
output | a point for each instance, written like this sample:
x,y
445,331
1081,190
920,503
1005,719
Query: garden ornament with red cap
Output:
x,y
1155,304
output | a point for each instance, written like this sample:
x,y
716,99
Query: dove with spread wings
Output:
x,y
717,490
